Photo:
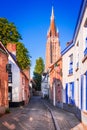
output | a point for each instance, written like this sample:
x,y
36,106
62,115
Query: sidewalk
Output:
x,y
64,120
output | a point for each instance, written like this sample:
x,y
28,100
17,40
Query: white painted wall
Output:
x,y
82,34
15,80
78,56
65,70
44,86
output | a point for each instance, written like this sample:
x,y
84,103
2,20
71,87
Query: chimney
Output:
x,y
68,43
11,48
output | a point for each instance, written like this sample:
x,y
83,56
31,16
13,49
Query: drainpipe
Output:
x,y
54,100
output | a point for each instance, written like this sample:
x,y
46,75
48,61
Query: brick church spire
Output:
x,y
53,44
52,29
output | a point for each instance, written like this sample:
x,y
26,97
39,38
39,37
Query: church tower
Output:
x,y
53,44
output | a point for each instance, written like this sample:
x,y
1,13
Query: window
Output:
x,y
85,37
77,64
71,58
85,51
10,93
10,77
77,92
51,60
71,64
23,80
8,68
77,56
86,41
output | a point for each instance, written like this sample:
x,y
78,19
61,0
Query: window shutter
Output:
x,y
66,92
86,90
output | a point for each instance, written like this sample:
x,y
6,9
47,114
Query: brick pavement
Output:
x,y
65,120
34,116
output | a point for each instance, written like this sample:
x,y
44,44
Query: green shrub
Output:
x,y
7,110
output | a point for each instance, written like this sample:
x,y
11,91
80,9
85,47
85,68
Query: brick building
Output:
x,y
53,44
54,62
55,76
3,79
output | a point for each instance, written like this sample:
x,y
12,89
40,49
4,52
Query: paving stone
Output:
x,y
65,120
34,116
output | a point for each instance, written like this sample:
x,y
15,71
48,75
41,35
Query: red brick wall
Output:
x,y
27,81
56,78
25,88
3,80
27,73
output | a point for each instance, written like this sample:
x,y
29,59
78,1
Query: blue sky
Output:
x,y
32,19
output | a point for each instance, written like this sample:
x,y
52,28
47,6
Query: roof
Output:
x,y
13,57
67,48
79,20
51,67
55,62
2,48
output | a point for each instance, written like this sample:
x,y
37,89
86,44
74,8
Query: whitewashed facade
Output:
x,y
45,86
80,41
18,81
13,81
68,74
75,56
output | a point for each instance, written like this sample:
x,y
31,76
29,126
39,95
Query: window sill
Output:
x,y
77,69
70,74
85,57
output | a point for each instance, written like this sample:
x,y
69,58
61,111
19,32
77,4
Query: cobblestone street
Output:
x,y
65,120
37,116
43,65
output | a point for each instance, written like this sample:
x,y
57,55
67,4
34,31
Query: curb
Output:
x,y
53,118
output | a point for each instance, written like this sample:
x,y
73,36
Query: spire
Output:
x,y
52,14
57,30
52,28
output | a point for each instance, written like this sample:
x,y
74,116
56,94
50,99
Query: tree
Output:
x,y
23,56
9,33
37,74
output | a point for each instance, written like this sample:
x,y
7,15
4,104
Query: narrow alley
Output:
x,y
37,116
34,116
